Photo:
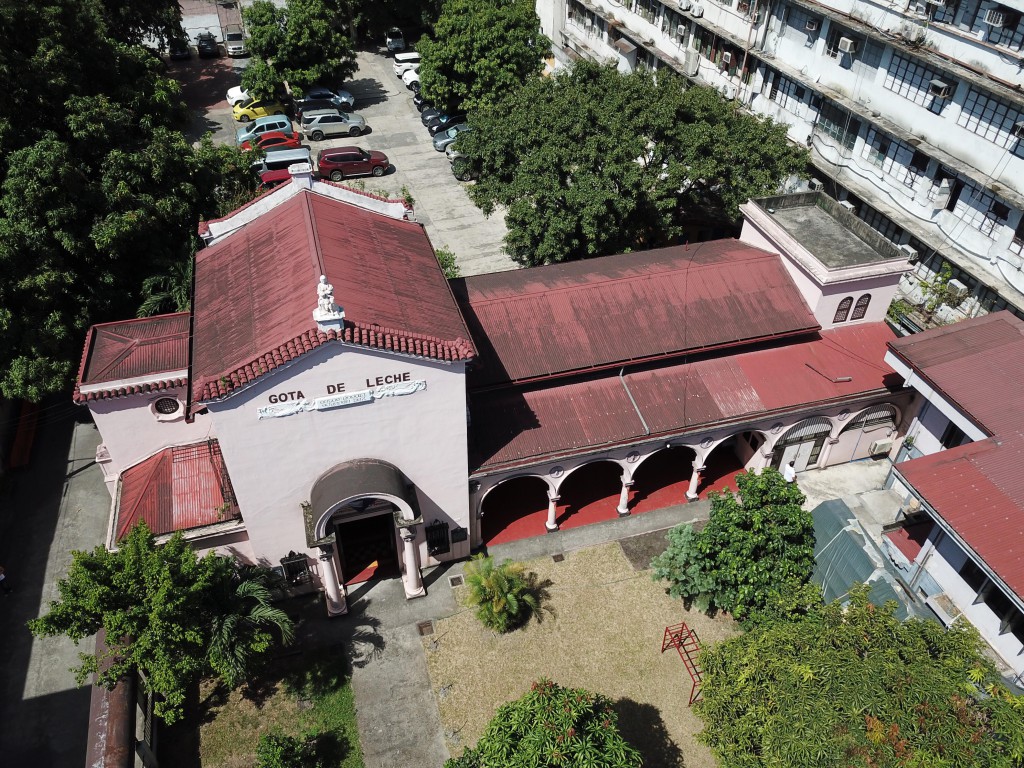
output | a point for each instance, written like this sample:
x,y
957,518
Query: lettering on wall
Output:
x,y
337,396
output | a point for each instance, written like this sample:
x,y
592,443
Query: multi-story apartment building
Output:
x,y
914,114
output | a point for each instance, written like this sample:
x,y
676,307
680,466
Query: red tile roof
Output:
x,y
130,355
177,489
978,488
530,424
586,315
256,292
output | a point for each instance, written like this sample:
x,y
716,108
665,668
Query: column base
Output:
x,y
335,609
550,528
622,512
421,592
690,499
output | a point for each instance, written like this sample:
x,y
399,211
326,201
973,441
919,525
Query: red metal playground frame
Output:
x,y
685,640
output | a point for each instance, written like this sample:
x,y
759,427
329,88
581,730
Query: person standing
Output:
x,y
789,473
3,582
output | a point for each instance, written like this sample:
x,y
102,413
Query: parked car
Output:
x,y
452,153
274,167
321,123
404,62
207,46
263,125
443,139
254,108
394,40
237,95
339,163
412,79
428,114
442,122
234,43
178,49
342,99
420,101
272,141
461,169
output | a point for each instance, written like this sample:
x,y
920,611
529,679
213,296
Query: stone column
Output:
x,y
623,508
336,605
691,492
412,582
551,524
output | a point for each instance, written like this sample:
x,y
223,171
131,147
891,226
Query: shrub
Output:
x,y
503,594
276,750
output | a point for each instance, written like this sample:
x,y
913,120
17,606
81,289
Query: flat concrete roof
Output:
x,y
832,243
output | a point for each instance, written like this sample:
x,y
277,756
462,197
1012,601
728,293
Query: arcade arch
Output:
x,y
736,453
802,443
514,508
662,479
871,425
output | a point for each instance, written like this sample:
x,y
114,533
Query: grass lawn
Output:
x,y
603,633
308,691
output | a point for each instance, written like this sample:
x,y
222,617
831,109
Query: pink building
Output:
x,y
334,407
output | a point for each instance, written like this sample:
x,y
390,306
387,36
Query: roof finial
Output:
x,y
327,314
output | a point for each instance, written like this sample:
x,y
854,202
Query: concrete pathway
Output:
x,y
57,504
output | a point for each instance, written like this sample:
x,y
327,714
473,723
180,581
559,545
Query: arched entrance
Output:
x,y
589,495
802,444
735,454
872,425
356,513
514,509
662,480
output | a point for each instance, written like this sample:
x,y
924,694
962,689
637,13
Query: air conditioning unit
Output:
x,y
1018,129
811,25
681,30
815,185
910,253
957,288
997,17
683,5
588,23
920,8
879,447
691,63
846,45
726,59
729,91
848,206
940,89
697,11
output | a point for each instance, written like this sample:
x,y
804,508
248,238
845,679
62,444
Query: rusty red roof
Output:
x,y
523,425
131,356
177,489
256,292
978,488
585,315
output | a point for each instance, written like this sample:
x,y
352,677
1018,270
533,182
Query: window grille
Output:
x,y
437,538
836,122
843,310
296,569
912,80
990,118
861,308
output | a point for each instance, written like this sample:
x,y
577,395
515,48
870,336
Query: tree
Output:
x,y
504,595
755,552
302,44
552,726
853,686
166,613
592,161
479,50
169,292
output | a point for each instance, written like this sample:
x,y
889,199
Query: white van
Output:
x,y
274,167
405,61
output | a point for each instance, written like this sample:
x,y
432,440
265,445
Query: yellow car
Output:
x,y
250,110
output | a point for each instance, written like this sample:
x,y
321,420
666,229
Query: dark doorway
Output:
x,y
367,549
516,509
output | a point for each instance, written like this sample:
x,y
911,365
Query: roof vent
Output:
x,y
328,315
302,175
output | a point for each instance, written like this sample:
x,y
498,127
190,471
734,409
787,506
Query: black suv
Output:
x,y
207,46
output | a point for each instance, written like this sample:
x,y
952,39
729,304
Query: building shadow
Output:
x,y
641,725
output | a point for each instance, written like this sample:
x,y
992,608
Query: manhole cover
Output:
x,y
558,558
425,628
455,581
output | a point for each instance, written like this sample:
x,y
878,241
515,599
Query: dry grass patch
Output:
x,y
603,633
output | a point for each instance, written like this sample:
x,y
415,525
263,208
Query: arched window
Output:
x,y
843,310
862,307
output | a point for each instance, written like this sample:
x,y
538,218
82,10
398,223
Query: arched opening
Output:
x,y
514,509
735,454
367,540
864,430
802,444
843,310
662,480
589,495
861,308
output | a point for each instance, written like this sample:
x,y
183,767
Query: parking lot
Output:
x,y
441,202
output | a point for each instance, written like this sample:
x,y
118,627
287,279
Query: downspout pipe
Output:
x,y
625,386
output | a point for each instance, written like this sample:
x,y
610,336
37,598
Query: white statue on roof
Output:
x,y
327,314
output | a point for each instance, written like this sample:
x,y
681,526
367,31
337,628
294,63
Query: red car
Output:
x,y
274,140
338,163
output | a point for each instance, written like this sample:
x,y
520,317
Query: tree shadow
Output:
x,y
641,725
331,749
314,675
540,591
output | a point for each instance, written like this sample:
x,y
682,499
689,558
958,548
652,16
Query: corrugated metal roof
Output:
x,y
531,423
256,291
177,489
590,314
132,349
978,488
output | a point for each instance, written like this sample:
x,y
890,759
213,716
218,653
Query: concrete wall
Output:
x,y
274,462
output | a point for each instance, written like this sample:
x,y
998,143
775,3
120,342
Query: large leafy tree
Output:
x,y
592,161
167,614
755,553
479,50
305,43
552,726
853,687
